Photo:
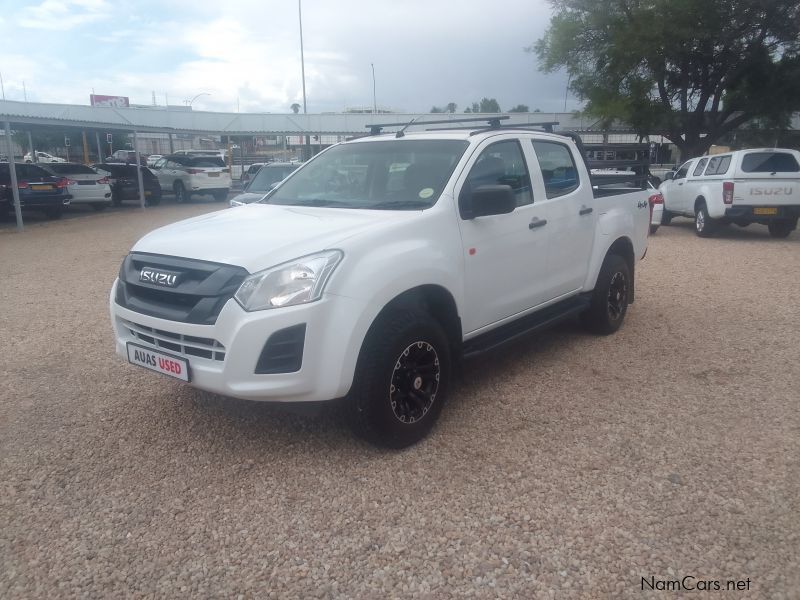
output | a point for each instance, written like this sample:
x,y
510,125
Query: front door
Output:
x,y
504,255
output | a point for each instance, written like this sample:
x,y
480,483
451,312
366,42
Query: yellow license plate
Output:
x,y
41,187
765,210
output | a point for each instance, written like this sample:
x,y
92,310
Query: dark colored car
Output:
x,y
126,157
125,184
38,190
265,178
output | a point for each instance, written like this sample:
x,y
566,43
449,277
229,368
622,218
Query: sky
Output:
x,y
245,54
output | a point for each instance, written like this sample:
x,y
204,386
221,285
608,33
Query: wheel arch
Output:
x,y
701,199
434,300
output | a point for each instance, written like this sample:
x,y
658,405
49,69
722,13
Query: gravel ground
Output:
x,y
566,466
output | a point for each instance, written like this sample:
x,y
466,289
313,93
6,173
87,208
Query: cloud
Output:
x,y
62,15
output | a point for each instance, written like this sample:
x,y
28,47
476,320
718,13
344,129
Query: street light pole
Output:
x,y
189,102
374,97
303,74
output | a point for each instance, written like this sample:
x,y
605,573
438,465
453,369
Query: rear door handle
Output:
x,y
537,223
585,211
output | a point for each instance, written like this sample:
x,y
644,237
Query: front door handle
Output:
x,y
537,223
585,211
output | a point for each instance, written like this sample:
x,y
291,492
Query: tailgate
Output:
x,y
766,191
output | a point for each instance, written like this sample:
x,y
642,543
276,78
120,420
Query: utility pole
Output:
x,y
374,97
12,168
2,87
303,73
24,91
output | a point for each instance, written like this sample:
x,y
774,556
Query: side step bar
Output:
x,y
541,319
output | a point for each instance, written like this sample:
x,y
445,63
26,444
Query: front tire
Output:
x,y
704,226
653,229
401,379
666,217
610,297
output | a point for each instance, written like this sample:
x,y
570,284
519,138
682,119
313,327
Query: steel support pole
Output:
x,y
99,147
32,149
12,168
139,170
171,145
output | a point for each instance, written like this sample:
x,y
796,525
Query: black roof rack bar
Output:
x,y
546,126
376,128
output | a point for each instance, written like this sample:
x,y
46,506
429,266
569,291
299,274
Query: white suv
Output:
x,y
186,175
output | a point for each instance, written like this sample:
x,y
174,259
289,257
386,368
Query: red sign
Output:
x,y
112,101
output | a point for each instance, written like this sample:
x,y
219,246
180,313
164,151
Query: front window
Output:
x,y
392,175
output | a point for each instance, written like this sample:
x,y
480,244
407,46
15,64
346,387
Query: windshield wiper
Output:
x,y
390,204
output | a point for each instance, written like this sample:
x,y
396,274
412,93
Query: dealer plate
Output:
x,y
765,210
159,362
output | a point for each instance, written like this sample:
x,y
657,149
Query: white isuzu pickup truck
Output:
x,y
760,185
372,271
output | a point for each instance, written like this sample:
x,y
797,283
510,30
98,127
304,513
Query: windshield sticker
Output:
x,y
426,193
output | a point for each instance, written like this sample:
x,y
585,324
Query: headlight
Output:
x,y
296,282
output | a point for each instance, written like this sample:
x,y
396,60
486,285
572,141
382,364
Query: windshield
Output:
x,y
396,175
267,176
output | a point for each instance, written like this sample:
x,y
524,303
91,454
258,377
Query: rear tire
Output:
x,y
704,226
609,302
781,229
220,196
666,217
181,195
653,229
401,379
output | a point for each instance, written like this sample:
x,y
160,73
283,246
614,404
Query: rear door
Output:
x,y
566,202
505,256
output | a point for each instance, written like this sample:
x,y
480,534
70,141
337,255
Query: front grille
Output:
x,y
185,345
202,288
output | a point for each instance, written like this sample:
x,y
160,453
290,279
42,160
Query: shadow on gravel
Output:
x,y
730,232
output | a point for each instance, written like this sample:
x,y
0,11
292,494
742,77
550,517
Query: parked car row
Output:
x,y
760,185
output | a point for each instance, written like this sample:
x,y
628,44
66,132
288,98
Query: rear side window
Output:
x,y
700,166
769,162
70,169
718,165
558,169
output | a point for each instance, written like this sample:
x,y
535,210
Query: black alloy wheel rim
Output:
x,y
414,382
617,295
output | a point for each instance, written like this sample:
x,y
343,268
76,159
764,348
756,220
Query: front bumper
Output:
x,y
327,362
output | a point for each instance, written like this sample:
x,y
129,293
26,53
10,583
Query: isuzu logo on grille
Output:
x,y
156,277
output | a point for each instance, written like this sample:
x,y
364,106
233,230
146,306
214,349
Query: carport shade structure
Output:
x,y
171,121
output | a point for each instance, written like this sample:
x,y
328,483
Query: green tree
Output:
x,y
295,108
451,107
691,70
467,110
476,107
519,108
489,105
436,109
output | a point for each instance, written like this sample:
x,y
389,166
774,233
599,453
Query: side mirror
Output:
x,y
487,200
669,175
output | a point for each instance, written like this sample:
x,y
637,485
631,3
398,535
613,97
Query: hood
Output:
x,y
258,236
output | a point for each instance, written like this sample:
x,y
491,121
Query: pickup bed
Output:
x,y
373,270
759,185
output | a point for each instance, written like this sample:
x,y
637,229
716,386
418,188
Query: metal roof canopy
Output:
x,y
163,120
